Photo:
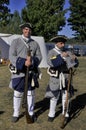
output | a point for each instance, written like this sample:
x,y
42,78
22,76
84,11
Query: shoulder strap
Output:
x,y
24,42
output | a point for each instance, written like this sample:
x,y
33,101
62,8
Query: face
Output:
x,y
26,32
60,45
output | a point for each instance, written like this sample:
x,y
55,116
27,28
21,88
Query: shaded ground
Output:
x,y
78,104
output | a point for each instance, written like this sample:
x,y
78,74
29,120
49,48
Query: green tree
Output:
x,y
77,18
4,13
46,16
13,25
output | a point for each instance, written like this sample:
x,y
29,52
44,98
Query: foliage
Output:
x,y
4,13
9,23
13,25
46,16
75,41
77,18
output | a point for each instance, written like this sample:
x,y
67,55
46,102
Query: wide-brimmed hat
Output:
x,y
59,38
28,25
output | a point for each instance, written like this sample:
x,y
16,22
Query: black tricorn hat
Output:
x,y
25,25
59,38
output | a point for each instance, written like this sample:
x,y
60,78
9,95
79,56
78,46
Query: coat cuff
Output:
x,y
57,61
20,63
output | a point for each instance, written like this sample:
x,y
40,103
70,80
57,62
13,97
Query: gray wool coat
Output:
x,y
53,87
19,48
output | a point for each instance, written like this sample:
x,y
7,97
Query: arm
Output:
x,y
17,62
13,53
55,60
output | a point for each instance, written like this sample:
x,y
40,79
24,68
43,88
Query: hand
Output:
x,y
64,54
28,61
73,57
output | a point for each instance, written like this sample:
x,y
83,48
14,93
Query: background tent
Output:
x,y
4,49
8,38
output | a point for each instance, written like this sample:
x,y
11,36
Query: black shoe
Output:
x,y
14,119
33,118
50,119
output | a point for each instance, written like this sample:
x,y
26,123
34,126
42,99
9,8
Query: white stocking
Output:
x,y
30,101
53,103
16,103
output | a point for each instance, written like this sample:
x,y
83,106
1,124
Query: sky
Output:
x,y
18,5
67,30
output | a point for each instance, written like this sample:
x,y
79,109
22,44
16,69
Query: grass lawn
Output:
x,y
78,101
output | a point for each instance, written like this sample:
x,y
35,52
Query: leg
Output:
x,y
30,101
16,105
53,103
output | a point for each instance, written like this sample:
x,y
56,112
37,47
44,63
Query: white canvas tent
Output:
x,y
6,40
4,47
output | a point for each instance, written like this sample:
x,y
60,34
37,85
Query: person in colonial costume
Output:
x,y
19,61
59,62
